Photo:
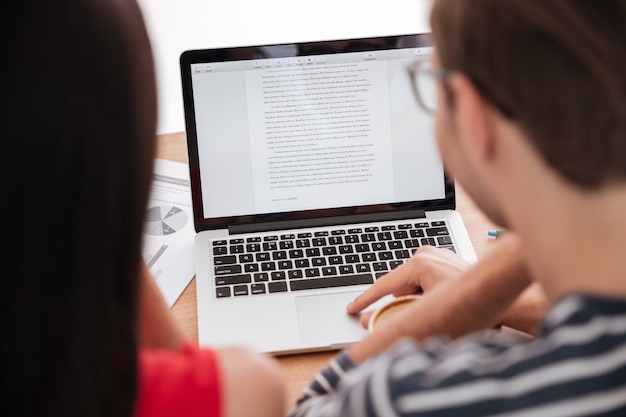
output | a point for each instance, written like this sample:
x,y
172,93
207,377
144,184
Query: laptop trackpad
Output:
x,y
323,319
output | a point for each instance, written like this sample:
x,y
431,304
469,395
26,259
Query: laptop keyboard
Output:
x,y
319,259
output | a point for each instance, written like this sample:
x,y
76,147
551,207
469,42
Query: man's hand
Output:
x,y
428,267
453,307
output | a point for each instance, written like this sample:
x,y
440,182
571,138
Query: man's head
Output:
x,y
555,69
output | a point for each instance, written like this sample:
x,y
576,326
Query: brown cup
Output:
x,y
391,308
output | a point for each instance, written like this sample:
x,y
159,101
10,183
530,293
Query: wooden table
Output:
x,y
300,369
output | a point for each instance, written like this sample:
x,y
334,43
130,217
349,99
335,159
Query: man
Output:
x,y
531,120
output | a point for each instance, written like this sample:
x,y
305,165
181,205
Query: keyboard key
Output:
x,y
395,245
236,249
318,261
296,253
251,268
304,235
335,240
345,249
278,276
422,225
395,264
438,223
384,236
362,247
335,260
338,232
255,239
303,243
328,251
278,255
353,259
311,252
245,258
225,260
380,266
219,243
428,241
354,231
385,256
368,237
377,246
400,235
321,234
371,229
363,268
352,239
233,279
402,254
228,270
346,269
257,288
270,238
368,257
286,244
261,277
302,263
235,241
262,256
295,274
279,286
437,231
411,243
329,270
444,240
331,282
239,290
220,250
387,228
417,233
312,272
320,241
268,266
270,246
222,292
285,264
253,247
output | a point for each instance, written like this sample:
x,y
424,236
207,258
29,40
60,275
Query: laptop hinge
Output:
x,y
326,221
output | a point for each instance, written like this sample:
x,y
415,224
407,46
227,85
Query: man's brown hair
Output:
x,y
556,67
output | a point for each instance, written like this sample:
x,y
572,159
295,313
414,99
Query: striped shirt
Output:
x,y
575,366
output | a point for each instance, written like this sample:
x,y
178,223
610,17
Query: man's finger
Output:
x,y
384,286
365,319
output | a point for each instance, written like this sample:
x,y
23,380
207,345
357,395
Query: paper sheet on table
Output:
x,y
168,230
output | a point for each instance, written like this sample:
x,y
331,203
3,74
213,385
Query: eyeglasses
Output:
x,y
424,79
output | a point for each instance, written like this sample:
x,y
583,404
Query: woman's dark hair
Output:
x,y
78,124
557,66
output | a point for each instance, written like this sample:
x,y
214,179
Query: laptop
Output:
x,y
313,173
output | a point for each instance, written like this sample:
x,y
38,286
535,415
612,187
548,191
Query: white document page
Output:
x,y
168,229
320,136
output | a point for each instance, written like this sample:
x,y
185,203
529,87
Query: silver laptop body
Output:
x,y
313,173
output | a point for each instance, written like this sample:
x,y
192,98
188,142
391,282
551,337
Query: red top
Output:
x,y
183,383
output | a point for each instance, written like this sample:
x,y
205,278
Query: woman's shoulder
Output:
x,y
183,382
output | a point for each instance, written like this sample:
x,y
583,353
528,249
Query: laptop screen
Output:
x,y
309,130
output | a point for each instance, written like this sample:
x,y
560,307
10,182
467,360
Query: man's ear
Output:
x,y
473,119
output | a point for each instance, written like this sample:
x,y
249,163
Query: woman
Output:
x,y
86,330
